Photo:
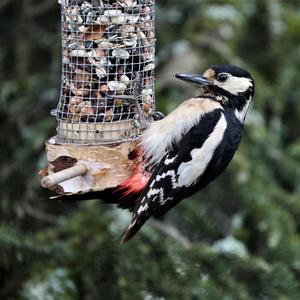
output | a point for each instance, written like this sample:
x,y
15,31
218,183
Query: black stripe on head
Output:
x,y
233,70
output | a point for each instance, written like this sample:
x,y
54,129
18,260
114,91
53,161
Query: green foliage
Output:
x,y
55,285
237,239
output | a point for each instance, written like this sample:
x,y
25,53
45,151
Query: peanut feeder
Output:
x,y
107,93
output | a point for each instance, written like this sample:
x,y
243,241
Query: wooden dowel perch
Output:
x,y
56,178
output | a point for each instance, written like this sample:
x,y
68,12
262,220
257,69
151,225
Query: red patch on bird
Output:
x,y
137,183
134,185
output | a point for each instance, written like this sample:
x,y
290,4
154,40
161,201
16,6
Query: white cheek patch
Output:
x,y
235,85
190,171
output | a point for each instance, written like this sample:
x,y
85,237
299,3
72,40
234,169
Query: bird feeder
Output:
x,y
107,93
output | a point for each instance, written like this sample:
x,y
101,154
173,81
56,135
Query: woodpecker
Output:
x,y
183,152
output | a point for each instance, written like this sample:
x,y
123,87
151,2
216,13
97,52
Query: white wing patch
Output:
x,y
160,191
168,161
170,173
164,201
154,192
161,134
142,208
190,171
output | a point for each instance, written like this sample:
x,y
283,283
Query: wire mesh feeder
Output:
x,y
107,87
107,47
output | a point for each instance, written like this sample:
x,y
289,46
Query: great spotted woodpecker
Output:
x,y
189,148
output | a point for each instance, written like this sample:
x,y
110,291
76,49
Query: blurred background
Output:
x,y
237,239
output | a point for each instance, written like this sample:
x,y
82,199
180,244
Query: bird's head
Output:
x,y
232,86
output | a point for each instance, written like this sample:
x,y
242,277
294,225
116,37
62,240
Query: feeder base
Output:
x,y
107,165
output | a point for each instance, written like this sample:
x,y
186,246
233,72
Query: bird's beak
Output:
x,y
195,79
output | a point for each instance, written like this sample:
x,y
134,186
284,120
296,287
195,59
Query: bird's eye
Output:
x,y
222,77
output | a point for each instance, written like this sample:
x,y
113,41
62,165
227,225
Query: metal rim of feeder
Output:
x,y
107,87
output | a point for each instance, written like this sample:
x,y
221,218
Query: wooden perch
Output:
x,y
59,177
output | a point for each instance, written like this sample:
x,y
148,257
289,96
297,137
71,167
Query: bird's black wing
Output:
x,y
178,173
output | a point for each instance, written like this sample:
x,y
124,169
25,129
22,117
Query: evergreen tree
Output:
x,y
237,239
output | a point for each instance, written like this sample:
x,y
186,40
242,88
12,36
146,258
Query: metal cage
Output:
x,y
107,89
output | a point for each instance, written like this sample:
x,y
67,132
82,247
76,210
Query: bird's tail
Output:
x,y
134,227
142,212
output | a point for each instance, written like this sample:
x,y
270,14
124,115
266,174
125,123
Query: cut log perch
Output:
x,y
56,178
105,166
